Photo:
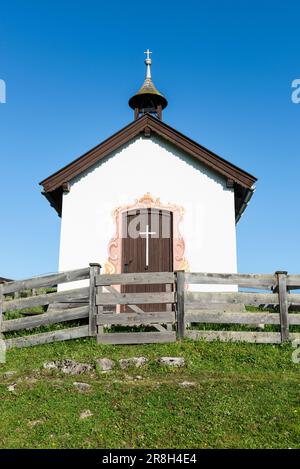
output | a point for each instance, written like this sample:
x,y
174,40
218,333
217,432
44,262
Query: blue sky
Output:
x,y
226,68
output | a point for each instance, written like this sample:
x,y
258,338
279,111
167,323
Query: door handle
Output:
x,y
126,264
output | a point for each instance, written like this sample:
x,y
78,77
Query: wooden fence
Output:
x,y
108,310
108,294
219,308
65,312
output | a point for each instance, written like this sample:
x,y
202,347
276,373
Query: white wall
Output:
x,y
155,166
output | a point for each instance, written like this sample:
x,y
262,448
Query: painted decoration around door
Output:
x,y
146,202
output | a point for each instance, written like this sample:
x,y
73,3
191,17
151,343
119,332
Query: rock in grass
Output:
x,y
187,384
85,414
171,361
82,386
30,379
105,364
8,374
68,366
12,387
33,423
134,361
50,366
71,367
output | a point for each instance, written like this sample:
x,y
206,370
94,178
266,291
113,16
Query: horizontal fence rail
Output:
x,y
136,319
196,299
44,281
151,307
257,281
221,309
109,293
134,298
149,278
67,306
45,319
48,337
47,299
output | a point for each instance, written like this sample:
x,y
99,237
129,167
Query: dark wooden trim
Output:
x,y
55,199
94,155
127,133
53,184
202,154
159,112
147,131
65,187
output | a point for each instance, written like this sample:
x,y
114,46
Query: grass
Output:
x,y
244,396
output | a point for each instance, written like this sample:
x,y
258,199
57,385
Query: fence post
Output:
x,y
281,287
180,282
1,308
94,271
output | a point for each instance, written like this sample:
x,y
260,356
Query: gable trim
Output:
x,y
239,179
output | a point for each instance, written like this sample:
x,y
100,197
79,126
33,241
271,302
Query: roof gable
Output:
x,y
146,125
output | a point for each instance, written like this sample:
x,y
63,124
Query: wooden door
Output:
x,y
147,246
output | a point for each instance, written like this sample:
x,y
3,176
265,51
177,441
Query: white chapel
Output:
x,y
149,198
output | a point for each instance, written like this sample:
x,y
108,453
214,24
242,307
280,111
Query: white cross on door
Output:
x,y
147,233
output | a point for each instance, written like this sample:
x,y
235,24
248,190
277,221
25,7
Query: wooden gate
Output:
x,y
158,325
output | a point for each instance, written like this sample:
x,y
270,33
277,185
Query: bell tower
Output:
x,y
148,99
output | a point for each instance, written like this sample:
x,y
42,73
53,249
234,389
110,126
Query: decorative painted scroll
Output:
x,y
113,264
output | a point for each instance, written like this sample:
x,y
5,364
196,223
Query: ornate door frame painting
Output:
x,y
113,263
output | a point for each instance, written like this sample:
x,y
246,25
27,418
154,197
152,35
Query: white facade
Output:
x,y
149,165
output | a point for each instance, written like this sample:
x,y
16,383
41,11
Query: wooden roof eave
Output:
x,y
53,184
92,156
111,144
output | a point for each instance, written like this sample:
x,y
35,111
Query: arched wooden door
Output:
x,y
147,246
